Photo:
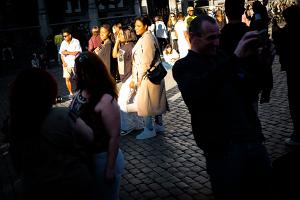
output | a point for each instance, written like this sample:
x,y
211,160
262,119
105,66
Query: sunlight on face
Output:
x,y
104,33
140,28
207,42
121,36
169,49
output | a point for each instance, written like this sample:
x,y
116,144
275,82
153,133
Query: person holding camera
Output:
x,y
225,125
260,61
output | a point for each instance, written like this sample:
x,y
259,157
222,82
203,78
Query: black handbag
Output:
x,y
157,71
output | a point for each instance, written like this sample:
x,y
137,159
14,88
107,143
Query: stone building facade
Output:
x,y
25,25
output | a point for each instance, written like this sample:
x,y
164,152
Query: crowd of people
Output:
x,y
222,71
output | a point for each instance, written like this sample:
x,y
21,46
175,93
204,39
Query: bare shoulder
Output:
x,y
106,102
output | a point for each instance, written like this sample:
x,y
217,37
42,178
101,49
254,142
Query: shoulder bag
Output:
x,y
157,71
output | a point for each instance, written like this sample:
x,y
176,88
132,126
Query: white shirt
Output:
x,y
161,29
73,46
183,45
171,58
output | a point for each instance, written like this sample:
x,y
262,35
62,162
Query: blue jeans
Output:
x,y
130,121
103,190
241,172
148,120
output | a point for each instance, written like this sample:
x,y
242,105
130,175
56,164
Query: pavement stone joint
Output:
x,y
170,165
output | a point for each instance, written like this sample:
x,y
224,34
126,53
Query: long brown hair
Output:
x,y
92,75
129,34
170,22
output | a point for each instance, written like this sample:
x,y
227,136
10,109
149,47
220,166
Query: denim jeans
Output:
x,y
103,190
241,172
131,121
148,120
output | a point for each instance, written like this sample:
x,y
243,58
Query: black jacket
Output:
x,y
215,92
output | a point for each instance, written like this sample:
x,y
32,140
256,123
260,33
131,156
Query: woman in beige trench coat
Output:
x,y
151,99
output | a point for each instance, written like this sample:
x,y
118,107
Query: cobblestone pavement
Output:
x,y
171,166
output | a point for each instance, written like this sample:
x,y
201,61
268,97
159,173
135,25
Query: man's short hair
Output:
x,y
95,28
291,14
106,26
190,8
180,15
196,24
67,30
234,9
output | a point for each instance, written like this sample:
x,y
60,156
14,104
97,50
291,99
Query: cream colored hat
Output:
x,y
190,8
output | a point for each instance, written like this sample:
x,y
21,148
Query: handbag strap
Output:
x,y
157,53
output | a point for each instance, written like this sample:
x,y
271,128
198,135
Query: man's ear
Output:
x,y
193,35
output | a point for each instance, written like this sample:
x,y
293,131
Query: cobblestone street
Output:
x,y
171,166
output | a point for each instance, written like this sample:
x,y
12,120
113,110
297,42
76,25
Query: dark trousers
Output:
x,y
162,43
241,172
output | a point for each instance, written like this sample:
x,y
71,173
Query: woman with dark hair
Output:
x,y
96,103
123,52
46,141
260,19
151,98
105,46
170,55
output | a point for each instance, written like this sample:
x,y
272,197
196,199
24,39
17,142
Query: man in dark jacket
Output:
x,y
224,122
229,39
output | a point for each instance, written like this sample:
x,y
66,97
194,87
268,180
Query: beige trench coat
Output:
x,y
151,99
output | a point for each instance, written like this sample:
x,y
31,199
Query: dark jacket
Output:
x,y
231,35
213,88
262,68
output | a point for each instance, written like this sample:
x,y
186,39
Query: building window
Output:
x,y
77,7
68,7
73,6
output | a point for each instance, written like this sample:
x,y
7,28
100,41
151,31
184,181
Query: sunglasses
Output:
x,y
66,35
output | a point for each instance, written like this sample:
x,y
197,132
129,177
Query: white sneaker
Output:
x,y
146,134
159,128
124,132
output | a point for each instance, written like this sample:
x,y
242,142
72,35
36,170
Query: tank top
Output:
x,y
82,108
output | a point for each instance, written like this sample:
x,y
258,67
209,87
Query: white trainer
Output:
x,y
146,134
